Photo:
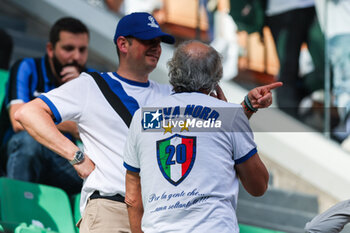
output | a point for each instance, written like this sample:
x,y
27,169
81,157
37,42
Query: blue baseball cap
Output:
x,y
142,26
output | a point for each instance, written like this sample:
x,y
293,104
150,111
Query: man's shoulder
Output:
x,y
26,64
161,86
26,60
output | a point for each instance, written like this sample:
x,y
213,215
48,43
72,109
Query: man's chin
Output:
x,y
153,60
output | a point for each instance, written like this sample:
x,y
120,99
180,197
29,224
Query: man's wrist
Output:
x,y
247,104
78,157
246,109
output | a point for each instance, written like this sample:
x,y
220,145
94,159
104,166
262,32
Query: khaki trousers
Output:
x,y
104,216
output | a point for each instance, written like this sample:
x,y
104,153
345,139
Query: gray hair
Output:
x,y
196,69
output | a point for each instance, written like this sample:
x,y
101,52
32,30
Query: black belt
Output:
x,y
116,197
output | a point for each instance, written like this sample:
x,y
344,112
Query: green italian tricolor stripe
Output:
x,y
164,156
177,170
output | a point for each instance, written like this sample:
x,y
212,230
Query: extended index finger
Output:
x,y
274,85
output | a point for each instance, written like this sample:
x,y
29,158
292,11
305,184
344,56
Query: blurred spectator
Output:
x,y
125,7
65,59
292,23
210,7
337,31
114,5
6,46
225,39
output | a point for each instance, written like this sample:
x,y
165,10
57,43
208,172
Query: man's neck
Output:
x,y
132,75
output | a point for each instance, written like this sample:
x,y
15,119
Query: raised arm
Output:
x,y
259,97
37,118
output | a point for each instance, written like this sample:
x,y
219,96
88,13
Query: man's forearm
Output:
x,y
36,120
135,218
69,127
133,200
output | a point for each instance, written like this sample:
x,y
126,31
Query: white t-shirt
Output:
x,y
101,129
275,7
188,179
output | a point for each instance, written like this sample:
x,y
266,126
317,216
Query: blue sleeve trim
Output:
x,y
131,168
53,108
247,156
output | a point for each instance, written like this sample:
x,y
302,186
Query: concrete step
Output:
x,y
283,199
272,216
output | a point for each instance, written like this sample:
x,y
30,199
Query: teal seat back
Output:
x,y
75,202
24,202
3,80
23,228
252,229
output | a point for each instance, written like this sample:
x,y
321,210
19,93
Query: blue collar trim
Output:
x,y
131,82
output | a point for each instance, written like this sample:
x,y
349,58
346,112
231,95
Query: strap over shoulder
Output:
x,y
112,98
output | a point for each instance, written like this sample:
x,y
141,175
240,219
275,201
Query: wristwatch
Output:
x,y
78,157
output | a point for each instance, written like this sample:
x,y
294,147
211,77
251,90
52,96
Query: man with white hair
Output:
x,y
187,180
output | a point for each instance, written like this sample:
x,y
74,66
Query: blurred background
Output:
x,y
302,137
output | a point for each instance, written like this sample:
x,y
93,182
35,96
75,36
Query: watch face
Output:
x,y
79,156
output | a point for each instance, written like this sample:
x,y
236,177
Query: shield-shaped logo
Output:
x,y
176,156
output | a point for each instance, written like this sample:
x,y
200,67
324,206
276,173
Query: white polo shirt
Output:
x,y
102,131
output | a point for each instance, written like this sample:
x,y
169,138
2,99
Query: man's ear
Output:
x,y
122,44
49,49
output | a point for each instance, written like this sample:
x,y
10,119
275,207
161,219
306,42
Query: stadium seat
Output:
x,y
23,228
35,204
3,80
252,229
75,203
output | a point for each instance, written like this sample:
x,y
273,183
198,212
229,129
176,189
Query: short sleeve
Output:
x,y
20,81
243,139
68,101
131,158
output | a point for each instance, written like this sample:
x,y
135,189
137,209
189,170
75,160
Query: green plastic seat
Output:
x,y
252,229
75,203
46,206
3,80
23,228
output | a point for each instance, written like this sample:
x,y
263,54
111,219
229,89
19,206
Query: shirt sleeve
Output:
x,y
243,139
131,158
20,82
68,101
